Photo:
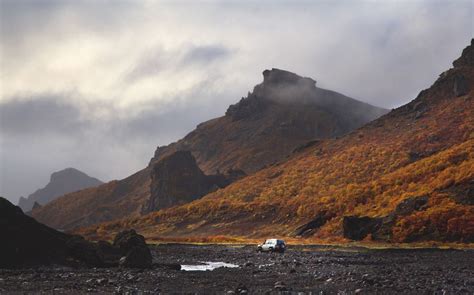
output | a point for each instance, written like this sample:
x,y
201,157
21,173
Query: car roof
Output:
x,y
275,240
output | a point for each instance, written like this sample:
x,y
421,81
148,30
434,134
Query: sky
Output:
x,y
98,85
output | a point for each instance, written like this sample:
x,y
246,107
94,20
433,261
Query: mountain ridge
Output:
x,y
61,182
267,129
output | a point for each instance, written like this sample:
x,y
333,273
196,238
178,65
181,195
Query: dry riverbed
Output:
x,y
301,270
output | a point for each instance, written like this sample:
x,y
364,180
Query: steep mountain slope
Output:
x,y
407,176
60,183
282,113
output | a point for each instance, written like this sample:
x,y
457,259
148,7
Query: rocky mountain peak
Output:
x,y
65,174
277,76
277,86
61,182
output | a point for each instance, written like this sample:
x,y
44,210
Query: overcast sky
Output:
x,y
97,85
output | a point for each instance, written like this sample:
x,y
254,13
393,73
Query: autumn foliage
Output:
x,y
423,148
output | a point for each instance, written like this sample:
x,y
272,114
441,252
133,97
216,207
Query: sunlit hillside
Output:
x,y
421,151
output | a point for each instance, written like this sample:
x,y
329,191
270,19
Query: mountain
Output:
x,y
60,183
280,115
405,177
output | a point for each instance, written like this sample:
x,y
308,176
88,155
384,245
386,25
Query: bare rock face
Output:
x,y
466,58
461,87
177,179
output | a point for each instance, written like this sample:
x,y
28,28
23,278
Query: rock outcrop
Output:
x,y
177,179
467,57
380,228
26,242
60,183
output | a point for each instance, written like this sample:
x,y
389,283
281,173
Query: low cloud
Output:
x,y
44,116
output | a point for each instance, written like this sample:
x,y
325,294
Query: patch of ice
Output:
x,y
208,265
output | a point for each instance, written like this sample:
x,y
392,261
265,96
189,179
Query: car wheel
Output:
x,y
272,250
259,250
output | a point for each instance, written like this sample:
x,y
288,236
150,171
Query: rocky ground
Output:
x,y
301,270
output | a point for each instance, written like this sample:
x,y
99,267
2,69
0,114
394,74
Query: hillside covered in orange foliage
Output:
x,y
405,177
282,113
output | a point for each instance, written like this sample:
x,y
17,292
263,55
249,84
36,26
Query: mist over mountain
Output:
x,y
280,115
61,182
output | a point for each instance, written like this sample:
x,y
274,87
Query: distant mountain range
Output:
x,y
60,183
405,177
282,115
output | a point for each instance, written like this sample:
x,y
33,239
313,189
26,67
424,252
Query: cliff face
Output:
x,y
282,113
61,182
177,180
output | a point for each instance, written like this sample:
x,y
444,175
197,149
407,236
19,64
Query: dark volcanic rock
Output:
x,y
467,57
133,248
177,179
357,228
27,242
246,107
461,87
128,239
85,251
137,257
408,206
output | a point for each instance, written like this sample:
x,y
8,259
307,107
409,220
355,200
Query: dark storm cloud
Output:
x,y
40,115
205,54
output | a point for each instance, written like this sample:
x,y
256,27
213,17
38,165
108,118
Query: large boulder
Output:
x,y
134,250
137,257
128,239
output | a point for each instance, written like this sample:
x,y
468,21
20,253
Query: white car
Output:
x,y
272,245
